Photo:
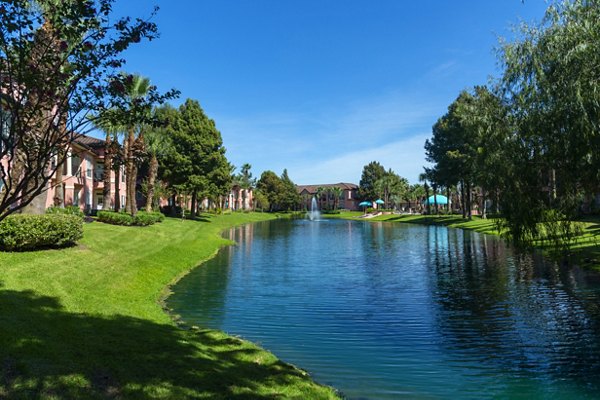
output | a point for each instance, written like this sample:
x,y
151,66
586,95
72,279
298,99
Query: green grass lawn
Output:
x,y
86,322
585,250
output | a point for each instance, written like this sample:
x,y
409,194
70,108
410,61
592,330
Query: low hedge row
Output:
x,y
29,232
69,210
142,218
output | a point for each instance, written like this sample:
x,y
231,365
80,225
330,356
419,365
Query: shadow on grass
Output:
x,y
46,352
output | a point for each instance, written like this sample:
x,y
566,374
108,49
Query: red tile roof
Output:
x,y
312,189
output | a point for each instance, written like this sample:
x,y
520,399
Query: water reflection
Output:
x,y
385,310
518,315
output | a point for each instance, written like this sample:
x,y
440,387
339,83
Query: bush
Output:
x,y
142,218
68,210
29,232
115,218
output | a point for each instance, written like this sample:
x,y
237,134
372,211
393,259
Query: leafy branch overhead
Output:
x,y
60,61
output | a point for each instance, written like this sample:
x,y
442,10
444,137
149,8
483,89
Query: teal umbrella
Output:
x,y
441,200
379,201
365,204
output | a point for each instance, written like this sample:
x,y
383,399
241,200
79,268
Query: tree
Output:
x,y
271,186
390,185
157,143
370,174
423,177
336,192
551,84
57,63
197,162
289,198
106,123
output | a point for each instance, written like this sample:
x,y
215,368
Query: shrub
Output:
x,y
29,232
68,210
142,218
115,218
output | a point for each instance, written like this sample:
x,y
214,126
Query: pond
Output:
x,y
388,310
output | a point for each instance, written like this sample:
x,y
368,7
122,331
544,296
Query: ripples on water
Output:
x,y
383,311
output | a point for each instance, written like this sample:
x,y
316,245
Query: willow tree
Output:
x,y
551,80
57,62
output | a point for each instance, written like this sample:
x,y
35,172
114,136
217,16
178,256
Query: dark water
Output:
x,y
387,311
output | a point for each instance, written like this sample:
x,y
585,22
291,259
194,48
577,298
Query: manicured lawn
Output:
x,y
86,322
584,251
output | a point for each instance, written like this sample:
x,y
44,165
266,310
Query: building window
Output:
x,y
76,197
75,164
122,201
99,201
99,172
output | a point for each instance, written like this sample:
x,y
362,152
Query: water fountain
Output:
x,y
314,214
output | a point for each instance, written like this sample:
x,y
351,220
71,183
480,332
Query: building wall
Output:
x,y
82,182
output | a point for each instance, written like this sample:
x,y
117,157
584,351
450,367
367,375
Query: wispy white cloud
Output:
x,y
333,145
406,157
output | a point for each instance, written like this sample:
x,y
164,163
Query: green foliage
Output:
x,y
531,142
141,218
65,58
30,232
68,210
280,193
196,162
371,173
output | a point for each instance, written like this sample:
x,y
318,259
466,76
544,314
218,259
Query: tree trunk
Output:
x,y
483,204
127,144
435,204
152,173
194,200
463,199
427,200
448,199
469,205
59,191
117,172
106,197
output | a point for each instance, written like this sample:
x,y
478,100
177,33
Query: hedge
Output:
x,y
142,218
69,210
29,232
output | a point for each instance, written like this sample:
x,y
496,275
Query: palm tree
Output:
x,y
156,142
424,177
337,193
107,123
137,87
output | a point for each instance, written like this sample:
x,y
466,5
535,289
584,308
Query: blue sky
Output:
x,y
322,87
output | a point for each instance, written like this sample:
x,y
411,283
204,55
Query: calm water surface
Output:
x,y
387,311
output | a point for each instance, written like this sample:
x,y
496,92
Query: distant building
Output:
x,y
347,199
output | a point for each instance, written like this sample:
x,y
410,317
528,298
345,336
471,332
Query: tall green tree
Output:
x,y
271,186
197,162
290,198
370,174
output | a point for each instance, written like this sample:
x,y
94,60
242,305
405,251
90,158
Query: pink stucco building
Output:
x,y
82,177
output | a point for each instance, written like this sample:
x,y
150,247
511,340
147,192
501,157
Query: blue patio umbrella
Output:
x,y
365,204
379,201
442,200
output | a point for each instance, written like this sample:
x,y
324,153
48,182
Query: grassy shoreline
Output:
x,y
585,251
87,322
